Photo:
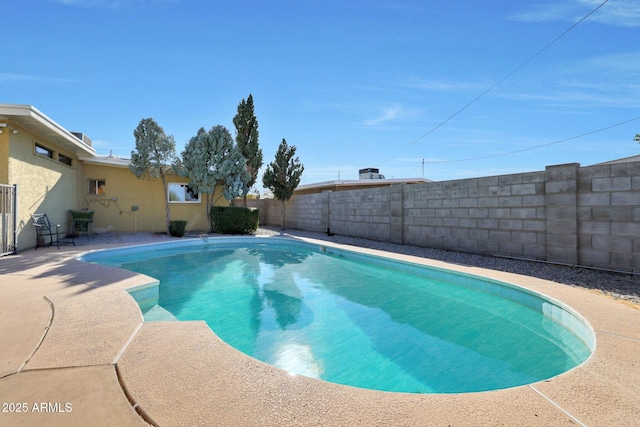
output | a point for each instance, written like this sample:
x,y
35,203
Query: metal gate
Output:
x,y
8,219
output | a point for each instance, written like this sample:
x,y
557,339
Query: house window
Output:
x,y
64,159
43,151
182,193
97,187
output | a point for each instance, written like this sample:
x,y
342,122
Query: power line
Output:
x,y
411,24
515,70
537,146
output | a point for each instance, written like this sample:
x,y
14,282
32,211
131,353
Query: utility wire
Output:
x,y
411,24
518,68
536,146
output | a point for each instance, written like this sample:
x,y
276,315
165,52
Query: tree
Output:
x,y
154,152
210,159
247,139
282,176
637,137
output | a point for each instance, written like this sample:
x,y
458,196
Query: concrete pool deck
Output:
x,y
75,351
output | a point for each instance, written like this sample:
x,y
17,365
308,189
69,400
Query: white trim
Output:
x,y
107,161
184,185
33,120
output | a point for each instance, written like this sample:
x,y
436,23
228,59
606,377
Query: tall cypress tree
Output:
x,y
282,176
247,139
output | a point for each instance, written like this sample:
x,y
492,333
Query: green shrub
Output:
x,y
234,220
176,228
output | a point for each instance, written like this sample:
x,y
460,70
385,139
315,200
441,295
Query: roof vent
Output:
x,y
370,173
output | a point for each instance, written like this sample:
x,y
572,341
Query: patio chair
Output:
x,y
45,230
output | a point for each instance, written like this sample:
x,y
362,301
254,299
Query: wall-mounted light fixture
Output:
x,y
6,126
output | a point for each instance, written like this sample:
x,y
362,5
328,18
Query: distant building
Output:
x,y
355,184
623,160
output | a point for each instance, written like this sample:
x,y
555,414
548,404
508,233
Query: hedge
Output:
x,y
234,220
176,228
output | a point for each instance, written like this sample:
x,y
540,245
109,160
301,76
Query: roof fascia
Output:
x,y
21,113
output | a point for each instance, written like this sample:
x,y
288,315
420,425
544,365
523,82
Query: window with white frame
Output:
x,y
182,193
97,187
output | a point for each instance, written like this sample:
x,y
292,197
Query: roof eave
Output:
x,y
31,119
106,161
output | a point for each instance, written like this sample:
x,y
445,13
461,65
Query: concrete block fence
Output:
x,y
587,216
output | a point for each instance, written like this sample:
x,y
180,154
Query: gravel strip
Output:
x,y
617,285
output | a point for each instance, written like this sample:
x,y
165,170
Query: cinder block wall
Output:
x,y
360,213
306,212
502,215
608,210
568,214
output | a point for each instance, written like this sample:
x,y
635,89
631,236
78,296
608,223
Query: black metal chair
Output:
x,y
45,230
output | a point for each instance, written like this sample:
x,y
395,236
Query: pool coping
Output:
x,y
217,385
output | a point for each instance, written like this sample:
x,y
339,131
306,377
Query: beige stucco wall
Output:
x,y
4,158
147,194
44,185
48,186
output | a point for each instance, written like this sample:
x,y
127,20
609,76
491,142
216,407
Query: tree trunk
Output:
x,y
208,208
166,201
283,214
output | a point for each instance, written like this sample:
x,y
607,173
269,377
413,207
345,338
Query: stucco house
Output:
x,y
56,170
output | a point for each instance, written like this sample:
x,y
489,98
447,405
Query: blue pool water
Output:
x,y
358,320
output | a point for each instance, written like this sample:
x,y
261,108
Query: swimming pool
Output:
x,y
354,319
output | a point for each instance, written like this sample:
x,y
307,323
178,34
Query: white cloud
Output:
x,y
607,80
620,64
616,13
415,82
548,11
580,95
13,77
114,4
9,77
387,114
90,3
393,112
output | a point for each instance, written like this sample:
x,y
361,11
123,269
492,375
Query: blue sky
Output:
x,y
352,84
